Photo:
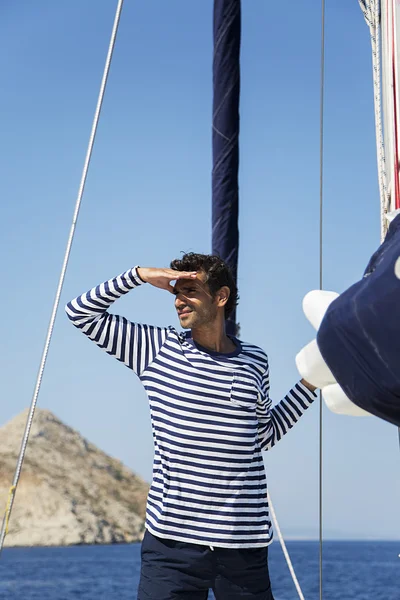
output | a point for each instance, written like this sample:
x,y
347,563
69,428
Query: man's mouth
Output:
x,y
184,313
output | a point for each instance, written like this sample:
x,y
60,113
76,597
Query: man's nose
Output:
x,y
180,300
179,303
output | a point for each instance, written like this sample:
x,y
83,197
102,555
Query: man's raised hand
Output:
x,y
162,278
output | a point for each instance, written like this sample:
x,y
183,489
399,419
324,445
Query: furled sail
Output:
x,y
225,135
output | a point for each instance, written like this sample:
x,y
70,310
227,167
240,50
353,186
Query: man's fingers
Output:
x,y
175,275
162,278
184,275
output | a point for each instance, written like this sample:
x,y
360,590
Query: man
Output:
x,y
207,522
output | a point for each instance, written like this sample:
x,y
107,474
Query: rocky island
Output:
x,y
70,492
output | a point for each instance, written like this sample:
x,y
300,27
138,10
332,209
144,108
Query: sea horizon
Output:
x,y
275,541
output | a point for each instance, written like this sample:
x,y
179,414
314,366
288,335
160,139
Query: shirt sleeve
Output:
x,y
274,422
133,344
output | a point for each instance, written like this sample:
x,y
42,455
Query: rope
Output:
x,y
62,277
371,11
321,214
284,549
7,511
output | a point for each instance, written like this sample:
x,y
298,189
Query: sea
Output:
x,y
351,570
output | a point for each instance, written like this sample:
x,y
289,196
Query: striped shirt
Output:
x,y
211,418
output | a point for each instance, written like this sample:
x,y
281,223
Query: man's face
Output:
x,y
194,303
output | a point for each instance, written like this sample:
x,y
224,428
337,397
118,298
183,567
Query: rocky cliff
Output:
x,y
70,492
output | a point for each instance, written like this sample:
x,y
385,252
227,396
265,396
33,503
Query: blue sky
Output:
x,y
148,198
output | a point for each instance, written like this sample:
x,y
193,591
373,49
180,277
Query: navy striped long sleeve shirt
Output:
x,y
211,418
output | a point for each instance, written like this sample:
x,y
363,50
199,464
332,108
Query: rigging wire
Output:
x,y
321,207
13,488
284,549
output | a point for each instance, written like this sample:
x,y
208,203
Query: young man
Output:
x,y
207,522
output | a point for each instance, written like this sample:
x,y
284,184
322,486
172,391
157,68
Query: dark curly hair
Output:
x,y
218,274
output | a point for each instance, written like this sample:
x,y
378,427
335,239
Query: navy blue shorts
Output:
x,y
180,571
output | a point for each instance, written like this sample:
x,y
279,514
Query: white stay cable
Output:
x,y
371,11
284,549
24,443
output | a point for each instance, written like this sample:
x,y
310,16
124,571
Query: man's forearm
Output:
x,y
89,306
133,344
276,421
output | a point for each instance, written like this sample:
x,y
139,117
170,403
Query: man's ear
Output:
x,y
223,296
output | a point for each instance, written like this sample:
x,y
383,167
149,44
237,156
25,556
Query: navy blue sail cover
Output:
x,y
359,336
225,135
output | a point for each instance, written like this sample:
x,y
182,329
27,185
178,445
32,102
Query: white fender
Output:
x,y
315,305
310,362
397,268
312,366
337,401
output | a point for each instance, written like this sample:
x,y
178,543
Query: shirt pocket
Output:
x,y
245,391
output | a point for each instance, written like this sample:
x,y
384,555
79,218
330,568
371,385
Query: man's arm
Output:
x,y
131,343
275,422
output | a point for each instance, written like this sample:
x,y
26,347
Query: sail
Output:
x,y
383,20
225,135
390,38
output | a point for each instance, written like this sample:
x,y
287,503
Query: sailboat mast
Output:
x,y
225,135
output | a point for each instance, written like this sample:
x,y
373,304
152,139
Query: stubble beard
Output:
x,y
197,319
